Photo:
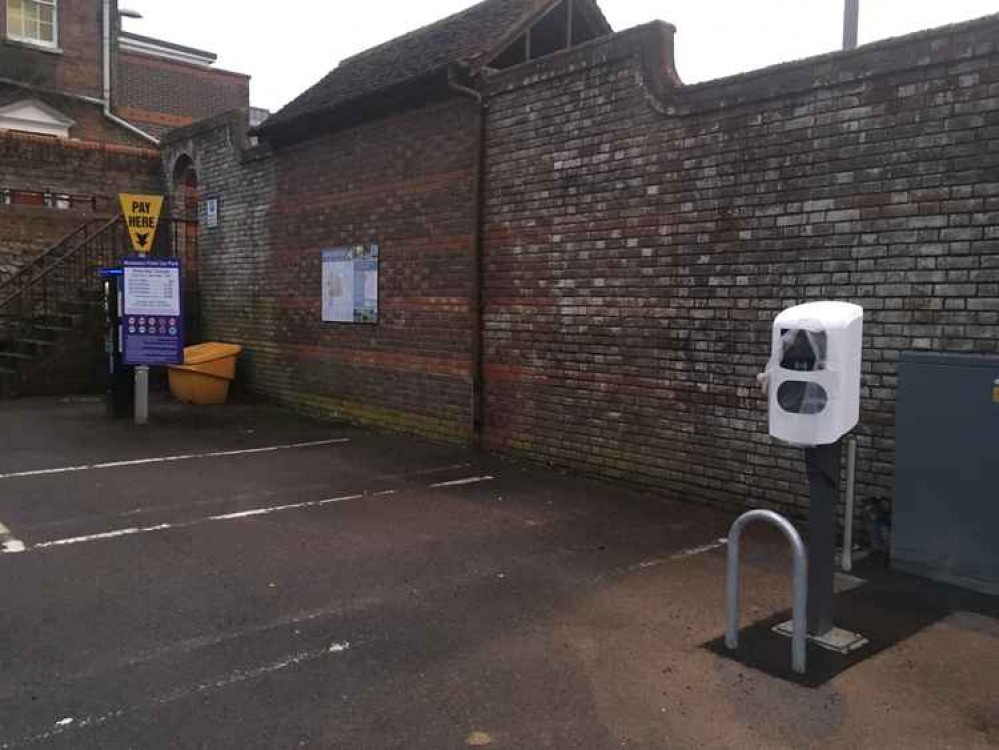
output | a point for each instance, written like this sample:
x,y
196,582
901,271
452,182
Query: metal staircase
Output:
x,y
51,310
55,301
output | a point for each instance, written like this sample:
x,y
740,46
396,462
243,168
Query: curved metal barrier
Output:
x,y
798,640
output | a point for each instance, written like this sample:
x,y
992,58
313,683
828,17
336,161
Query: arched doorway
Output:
x,y
184,240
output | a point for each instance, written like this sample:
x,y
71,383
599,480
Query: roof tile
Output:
x,y
462,38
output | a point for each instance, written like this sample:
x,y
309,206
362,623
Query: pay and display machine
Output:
x,y
120,377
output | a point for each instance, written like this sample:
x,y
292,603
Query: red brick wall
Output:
x,y
90,124
35,163
159,95
77,68
404,181
639,246
640,238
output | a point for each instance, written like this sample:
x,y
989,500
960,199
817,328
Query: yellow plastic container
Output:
x,y
204,377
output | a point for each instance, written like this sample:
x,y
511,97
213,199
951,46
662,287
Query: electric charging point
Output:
x,y
813,393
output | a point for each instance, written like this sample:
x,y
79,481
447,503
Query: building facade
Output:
x,y
98,82
82,105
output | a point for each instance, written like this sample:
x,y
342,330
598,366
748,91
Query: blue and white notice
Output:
x,y
153,316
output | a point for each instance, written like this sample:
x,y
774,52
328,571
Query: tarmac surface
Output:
x,y
240,577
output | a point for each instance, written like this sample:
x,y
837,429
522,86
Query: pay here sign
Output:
x,y
142,217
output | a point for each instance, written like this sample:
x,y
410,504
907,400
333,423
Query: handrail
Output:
x,y
51,287
799,634
54,252
44,289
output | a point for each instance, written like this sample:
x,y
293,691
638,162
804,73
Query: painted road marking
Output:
x,y
693,551
462,482
170,459
117,533
682,554
424,472
73,724
8,542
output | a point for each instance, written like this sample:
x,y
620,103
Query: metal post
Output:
x,y
851,483
851,24
798,637
141,395
823,463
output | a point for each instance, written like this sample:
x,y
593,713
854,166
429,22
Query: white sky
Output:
x,y
288,51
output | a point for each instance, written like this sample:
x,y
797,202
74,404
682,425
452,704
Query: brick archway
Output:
x,y
184,206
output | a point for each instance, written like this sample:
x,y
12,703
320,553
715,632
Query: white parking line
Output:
x,y
117,533
8,543
168,459
462,482
717,544
69,724
682,555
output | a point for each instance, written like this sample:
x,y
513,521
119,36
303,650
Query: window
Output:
x,y
32,21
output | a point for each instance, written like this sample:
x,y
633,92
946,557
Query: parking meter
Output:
x,y
813,395
120,400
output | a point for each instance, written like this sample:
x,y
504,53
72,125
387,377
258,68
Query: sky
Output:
x,y
289,50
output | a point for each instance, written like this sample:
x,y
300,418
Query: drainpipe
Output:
x,y
107,83
475,301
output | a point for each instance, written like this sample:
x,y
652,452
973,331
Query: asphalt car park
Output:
x,y
245,578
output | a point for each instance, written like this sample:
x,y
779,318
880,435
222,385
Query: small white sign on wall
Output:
x,y
212,213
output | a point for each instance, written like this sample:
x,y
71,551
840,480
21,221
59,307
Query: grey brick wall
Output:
x,y
234,258
642,238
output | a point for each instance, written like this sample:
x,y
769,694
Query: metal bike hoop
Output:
x,y
799,637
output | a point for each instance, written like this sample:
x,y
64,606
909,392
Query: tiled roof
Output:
x,y
465,37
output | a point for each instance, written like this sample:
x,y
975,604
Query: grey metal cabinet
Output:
x,y
945,519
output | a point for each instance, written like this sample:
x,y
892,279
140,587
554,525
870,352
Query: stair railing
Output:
x,y
66,272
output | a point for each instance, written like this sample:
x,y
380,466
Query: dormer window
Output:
x,y
33,22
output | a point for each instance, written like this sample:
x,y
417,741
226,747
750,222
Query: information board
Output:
x,y
152,313
350,284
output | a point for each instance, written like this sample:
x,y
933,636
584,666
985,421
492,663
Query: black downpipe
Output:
x,y
475,301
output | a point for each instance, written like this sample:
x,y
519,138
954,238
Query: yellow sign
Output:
x,y
142,215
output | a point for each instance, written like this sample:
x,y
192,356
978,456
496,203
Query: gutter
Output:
x,y
475,294
106,101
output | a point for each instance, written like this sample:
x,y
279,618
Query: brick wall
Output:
x,y
159,95
76,68
405,182
36,163
90,124
641,238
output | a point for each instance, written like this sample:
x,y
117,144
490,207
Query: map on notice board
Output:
x,y
350,284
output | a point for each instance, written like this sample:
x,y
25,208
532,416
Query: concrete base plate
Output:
x,y
837,640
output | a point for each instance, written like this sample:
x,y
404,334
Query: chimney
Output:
x,y
851,24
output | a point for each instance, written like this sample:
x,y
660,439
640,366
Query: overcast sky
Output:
x,y
288,51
